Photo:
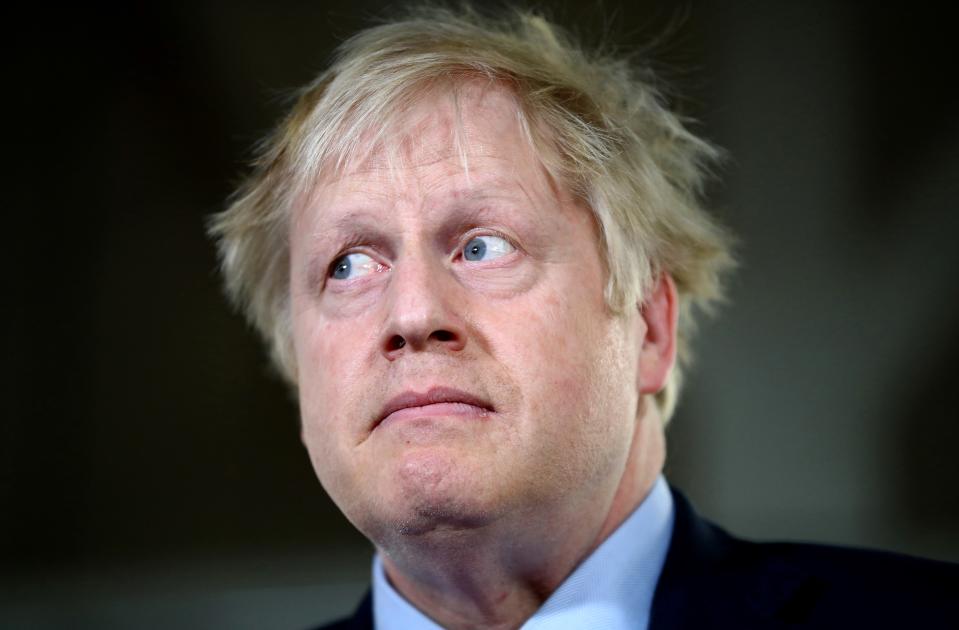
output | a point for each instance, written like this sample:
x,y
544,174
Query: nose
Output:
x,y
424,310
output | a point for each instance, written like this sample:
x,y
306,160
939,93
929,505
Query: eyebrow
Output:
x,y
461,207
355,221
354,225
363,217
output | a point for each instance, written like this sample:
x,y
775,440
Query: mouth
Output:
x,y
436,401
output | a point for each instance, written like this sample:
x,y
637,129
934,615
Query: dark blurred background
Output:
x,y
150,470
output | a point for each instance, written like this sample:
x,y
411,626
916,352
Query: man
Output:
x,y
474,250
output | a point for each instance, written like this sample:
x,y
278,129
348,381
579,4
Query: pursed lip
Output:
x,y
432,396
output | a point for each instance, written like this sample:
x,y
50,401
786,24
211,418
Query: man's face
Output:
x,y
457,364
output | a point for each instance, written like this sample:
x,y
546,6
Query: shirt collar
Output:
x,y
612,589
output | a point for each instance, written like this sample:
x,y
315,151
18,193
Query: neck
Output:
x,y
499,575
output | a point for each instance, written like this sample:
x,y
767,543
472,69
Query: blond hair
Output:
x,y
599,124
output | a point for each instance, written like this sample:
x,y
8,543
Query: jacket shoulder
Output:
x,y
712,579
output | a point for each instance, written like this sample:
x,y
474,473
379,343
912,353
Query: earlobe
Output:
x,y
660,314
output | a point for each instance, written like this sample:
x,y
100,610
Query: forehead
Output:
x,y
453,159
467,129
459,120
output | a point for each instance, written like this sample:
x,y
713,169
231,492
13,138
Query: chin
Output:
x,y
432,492
441,519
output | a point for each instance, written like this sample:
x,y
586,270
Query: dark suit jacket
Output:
x,y
713,580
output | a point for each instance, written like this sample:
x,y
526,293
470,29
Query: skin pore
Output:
x,y
468,400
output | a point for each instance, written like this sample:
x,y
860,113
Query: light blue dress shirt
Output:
x,y
611,590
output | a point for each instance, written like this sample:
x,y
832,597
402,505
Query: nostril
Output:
x,y
442,335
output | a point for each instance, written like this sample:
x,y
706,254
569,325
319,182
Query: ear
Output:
x,y
660,313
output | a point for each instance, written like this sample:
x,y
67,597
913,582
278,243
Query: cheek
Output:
x,y
549,355
330,356
575,365
315,356
327,376
328,404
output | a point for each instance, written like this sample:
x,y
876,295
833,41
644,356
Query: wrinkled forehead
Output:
x,y
462,124
470,120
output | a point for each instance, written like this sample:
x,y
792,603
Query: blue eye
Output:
x,y
486,248
353,266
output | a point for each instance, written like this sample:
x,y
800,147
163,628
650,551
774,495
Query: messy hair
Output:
x,y
600,125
